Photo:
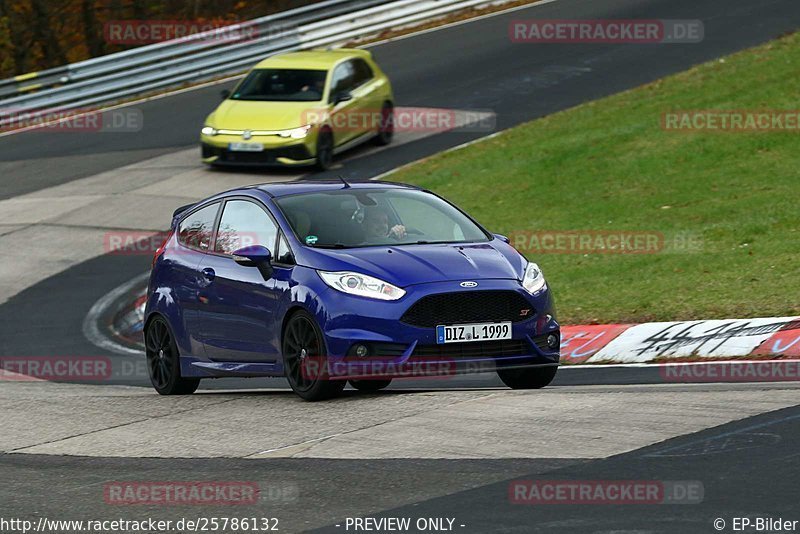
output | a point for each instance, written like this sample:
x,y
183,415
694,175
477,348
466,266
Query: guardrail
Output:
x,y
173,63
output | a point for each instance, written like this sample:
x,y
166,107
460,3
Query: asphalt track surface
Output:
x,y
469,66
747,468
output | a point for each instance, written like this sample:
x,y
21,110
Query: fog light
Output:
x,y
552,341
361,351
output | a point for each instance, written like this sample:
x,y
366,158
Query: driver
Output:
x,y
315,87
376,225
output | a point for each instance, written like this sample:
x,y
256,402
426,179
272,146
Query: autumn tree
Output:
x,y
40,34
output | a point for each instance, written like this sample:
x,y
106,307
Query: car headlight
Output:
x,y
533,279
208,130
361,285
296,133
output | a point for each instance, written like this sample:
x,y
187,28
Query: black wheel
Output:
x,y
324,150
386,129
163,363
304,359
370,385
534,378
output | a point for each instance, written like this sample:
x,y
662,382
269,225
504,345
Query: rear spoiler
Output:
x,y
181,210
178,212
361,52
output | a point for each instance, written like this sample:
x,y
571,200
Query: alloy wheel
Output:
x,y
159,354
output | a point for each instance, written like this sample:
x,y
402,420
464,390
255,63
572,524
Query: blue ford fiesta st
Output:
x,y
329,282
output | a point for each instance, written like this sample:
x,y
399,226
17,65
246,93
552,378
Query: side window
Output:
x,y
284,254
363,72
243,224
343,77
195,231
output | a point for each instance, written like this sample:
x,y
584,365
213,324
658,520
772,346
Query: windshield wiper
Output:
x,y
334,245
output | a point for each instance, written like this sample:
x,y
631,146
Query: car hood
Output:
x,y
418,264
252,115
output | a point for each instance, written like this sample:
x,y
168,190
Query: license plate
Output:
x,y
463,333
246,147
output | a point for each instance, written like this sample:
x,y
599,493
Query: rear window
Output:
x,y
196,230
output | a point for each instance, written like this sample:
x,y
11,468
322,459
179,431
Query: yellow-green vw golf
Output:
x,y
301,108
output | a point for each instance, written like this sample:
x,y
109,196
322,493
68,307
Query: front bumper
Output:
x,y
277,151
396,348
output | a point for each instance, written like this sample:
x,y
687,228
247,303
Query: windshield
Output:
x,y
363,218
282,85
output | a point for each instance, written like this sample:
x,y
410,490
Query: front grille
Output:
x,y
296,152
209,151
474,349
380,350
468,307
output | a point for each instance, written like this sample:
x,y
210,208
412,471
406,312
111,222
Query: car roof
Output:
x,y
280,189
311,59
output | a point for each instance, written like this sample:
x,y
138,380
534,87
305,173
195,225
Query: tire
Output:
x,y
324,150
386,129
370,385
534,378
302,344
163,361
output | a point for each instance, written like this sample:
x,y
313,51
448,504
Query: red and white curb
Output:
x,y
649,342
584,345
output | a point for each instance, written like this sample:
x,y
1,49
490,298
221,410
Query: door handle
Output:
x,y
209,274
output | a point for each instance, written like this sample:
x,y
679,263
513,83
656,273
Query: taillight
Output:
x,y
160,249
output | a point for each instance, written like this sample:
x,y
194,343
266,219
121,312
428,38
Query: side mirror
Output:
x,y
344,96
257,256
502,238
224,94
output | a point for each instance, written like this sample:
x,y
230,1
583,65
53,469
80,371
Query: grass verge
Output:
x,y
609,165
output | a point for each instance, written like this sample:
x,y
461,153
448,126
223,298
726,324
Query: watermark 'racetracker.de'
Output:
x,y
139,32
404,119
731,121
732,371
55,368
605,31
123,120
181,493
609,492
603,242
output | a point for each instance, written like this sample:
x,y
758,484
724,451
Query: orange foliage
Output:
x,y
40,34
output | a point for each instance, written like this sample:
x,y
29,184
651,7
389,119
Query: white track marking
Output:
x,y
459,22
123,105
92,331
451,149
